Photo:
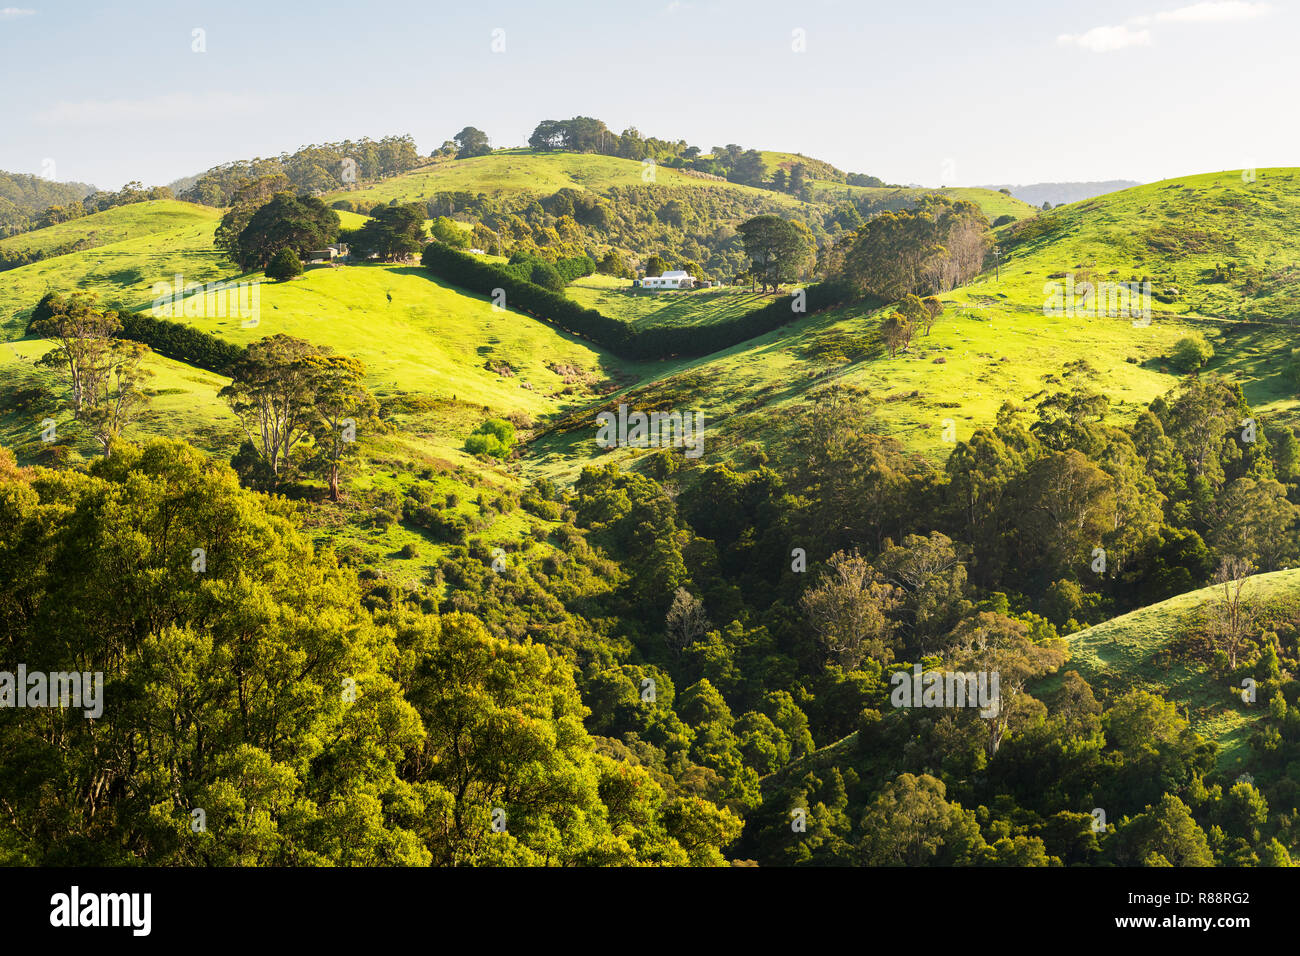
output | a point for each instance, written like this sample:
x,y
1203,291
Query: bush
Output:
x,y
1191,353
1003,220
447,231
494,437
419,510
536,505
284,265
547,276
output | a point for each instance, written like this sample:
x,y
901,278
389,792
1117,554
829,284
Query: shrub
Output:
x,y
284,265
446,230
547,276
419,510
535,505
1191,353
494,437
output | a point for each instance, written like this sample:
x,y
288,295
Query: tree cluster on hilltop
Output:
x,y
310,170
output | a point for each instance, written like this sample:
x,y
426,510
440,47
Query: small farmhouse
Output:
x,y
330,253
676,279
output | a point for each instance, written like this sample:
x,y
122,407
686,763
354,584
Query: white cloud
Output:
x,y
154,109
1106,39
1132,32
9,13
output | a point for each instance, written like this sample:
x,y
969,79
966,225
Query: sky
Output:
x,y
924,92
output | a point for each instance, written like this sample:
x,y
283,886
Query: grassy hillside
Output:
x,y
439,362
522,170
994,342
617,299
422,338
1141,650
816,168
447,351
442,360
1176,232
114,225
975,358
123,273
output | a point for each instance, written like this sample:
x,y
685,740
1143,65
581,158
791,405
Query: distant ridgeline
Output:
x,y
312,169
622,339
29,202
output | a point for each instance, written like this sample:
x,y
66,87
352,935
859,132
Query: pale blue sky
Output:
x,y
920,91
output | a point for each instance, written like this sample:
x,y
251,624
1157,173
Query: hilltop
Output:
x,y
511,171
120,223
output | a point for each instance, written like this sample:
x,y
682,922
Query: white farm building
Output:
x,y
676,279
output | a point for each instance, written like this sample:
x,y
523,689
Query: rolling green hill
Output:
x,y
975,359
510,171
816,168
1141,650
124,272
447,359
994,342
1179,233
422,338
439,362
523,170
118,224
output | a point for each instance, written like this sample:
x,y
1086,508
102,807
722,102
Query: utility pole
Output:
x,y
997,254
